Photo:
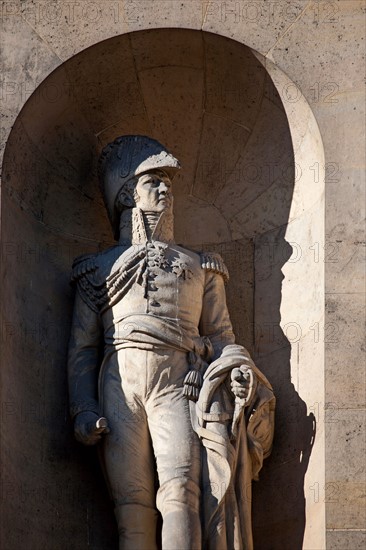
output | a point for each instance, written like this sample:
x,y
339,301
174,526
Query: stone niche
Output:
x,y
245,191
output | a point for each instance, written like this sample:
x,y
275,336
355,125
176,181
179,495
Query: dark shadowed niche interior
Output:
x,y
212,103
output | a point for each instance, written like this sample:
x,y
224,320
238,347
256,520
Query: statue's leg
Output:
x,y
127,452
177,451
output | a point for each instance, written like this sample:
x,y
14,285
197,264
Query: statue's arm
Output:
x,y
83,369
215,323
215,320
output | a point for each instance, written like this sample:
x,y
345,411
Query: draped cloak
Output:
x,y
235,442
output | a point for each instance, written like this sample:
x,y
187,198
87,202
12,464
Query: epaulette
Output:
x,y
211,261
99,283
87,263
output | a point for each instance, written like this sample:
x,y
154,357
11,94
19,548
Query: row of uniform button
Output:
x,y
151,285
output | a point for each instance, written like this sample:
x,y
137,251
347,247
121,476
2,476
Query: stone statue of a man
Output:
x,y
182,416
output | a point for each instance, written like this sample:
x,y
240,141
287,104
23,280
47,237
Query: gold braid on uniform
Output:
x,y
101,294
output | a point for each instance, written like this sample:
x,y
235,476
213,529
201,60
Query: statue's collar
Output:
x,y
142,233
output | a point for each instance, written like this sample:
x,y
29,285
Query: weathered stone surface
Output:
x,y
339,539
221,145
350,492
25,61
105,79
167,49
259,25
68,28
234,81
164,110
328,63
344,337
318,45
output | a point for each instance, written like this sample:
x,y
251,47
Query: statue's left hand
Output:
x,y
89,427
243,383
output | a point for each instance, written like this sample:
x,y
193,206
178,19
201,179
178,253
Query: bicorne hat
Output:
x,y
125,158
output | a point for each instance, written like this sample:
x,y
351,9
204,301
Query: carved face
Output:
x,y
154,192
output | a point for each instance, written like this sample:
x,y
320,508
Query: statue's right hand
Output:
x,y
89,427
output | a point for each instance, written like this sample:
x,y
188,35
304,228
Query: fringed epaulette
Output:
x,y
211,261
83,270
87,263
99,283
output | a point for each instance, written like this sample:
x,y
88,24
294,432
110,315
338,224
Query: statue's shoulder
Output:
x,y
192,254
208,261
98,265
86,263
92,273
212,261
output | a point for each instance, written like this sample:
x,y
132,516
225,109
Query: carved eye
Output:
x,y
150,182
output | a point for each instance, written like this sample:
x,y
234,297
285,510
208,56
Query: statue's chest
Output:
x,y
168,264
172,275
167,282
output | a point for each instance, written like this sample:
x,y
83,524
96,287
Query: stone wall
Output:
x,y
51,211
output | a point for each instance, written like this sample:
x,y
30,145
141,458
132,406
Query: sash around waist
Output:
x,y
151,330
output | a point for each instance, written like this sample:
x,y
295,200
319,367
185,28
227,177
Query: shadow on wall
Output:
x,y
214,105
278,498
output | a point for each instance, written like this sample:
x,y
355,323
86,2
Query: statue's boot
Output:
x,y
136,527
178,502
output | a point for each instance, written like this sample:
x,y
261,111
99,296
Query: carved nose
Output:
x,y
163,188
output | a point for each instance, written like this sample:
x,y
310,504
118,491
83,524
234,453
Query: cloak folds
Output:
x,y
230,463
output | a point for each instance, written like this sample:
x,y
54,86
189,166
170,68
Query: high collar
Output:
x,y
134,231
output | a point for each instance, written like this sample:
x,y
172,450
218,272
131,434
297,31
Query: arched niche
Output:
x,y
251,188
